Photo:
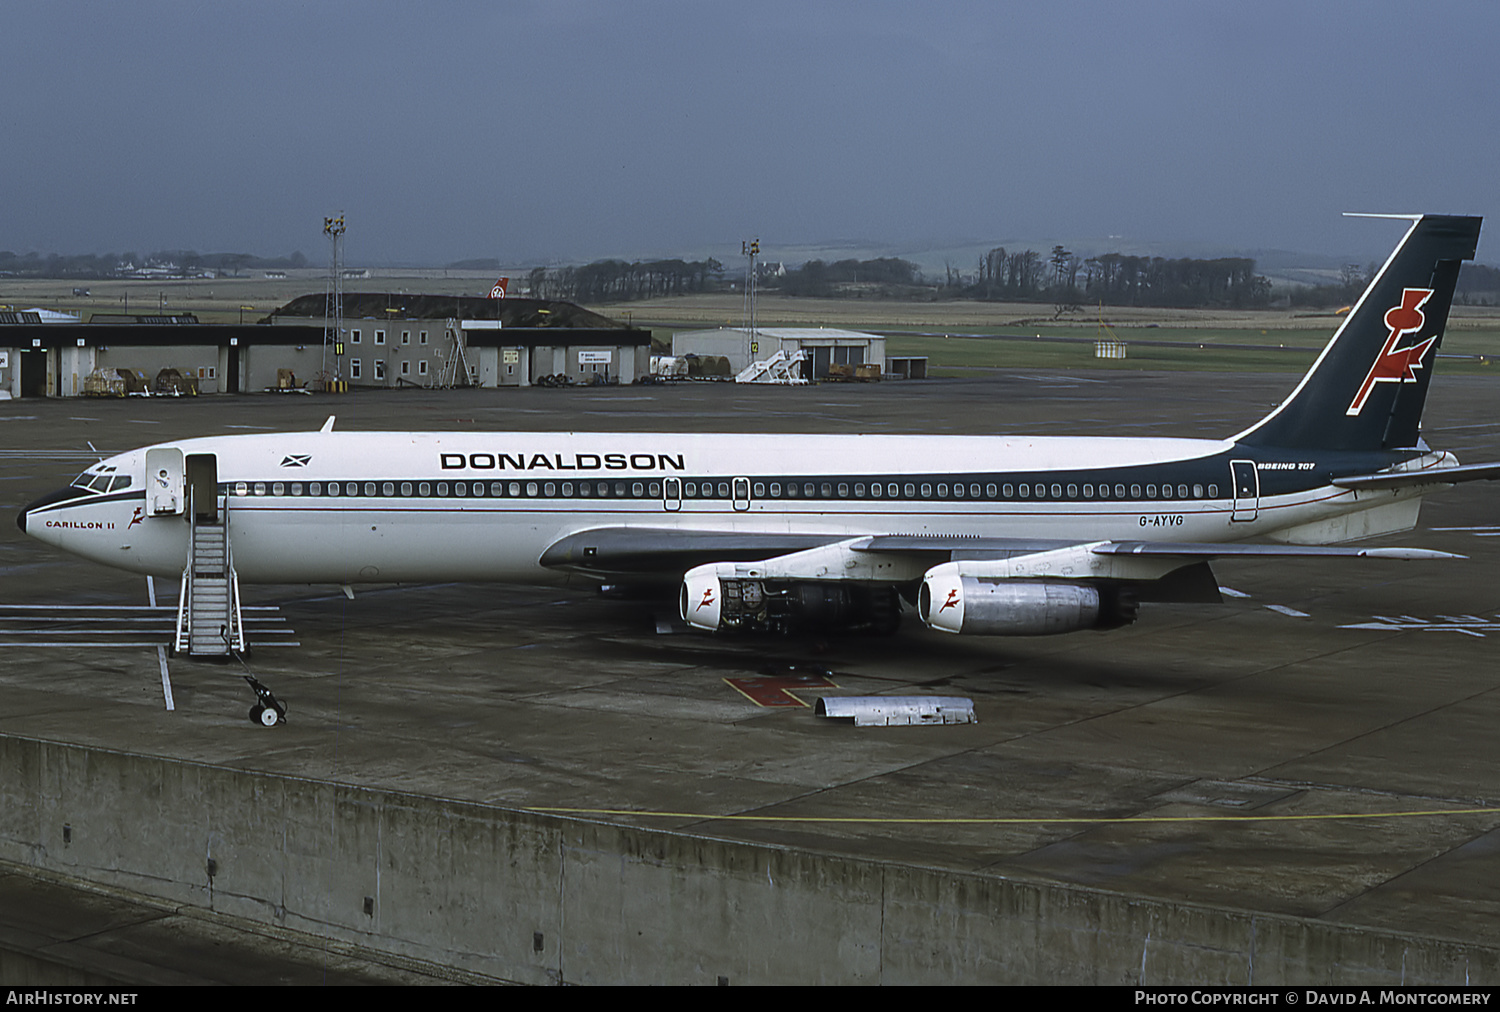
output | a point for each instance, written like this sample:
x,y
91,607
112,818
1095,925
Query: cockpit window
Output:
x,y
102,478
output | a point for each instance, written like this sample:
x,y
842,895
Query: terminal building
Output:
x,y
386,340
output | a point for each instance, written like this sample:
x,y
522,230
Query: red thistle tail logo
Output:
x,y
1398,365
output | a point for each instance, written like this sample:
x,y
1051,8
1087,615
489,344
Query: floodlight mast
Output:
x,y
750,250
333,307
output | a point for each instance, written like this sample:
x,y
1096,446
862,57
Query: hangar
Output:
x,y
824,346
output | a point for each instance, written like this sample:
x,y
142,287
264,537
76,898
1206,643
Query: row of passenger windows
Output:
x,y
721,490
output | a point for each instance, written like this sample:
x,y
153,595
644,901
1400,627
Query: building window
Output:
x,y
380,368
422,368
380,337
406,337
423,337
353,337
406,367
354,367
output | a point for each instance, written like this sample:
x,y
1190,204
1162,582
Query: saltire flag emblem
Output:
x,y
296,460
1398,365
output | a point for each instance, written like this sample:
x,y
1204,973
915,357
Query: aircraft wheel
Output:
x,y
269,716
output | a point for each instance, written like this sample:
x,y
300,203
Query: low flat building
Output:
x,y
386,340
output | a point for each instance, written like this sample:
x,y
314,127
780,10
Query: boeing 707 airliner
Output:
x,y
984,534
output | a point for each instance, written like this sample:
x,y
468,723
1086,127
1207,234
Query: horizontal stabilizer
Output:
x,y
1194,550
1431,476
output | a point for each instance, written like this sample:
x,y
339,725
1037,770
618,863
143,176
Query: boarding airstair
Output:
x,y
780,368
208,605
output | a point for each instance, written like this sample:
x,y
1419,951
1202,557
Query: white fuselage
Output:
x,y
348,507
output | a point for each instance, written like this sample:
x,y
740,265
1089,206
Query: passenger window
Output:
x,y
1182,491
859,490
843,490
990,491
926,491
1009,491
637,489
1088,491
260,488
1025,491
943,491
809,489
389,488
875,489
723,490
1072,491
1150,491
424,489
406,488
893,490
443,488
760,489
1135,491
568,488
1213,491
1057,491
1119,491
775,490
654,489
1197,491
530,488
911,490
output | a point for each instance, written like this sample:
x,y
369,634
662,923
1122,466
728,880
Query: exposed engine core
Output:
x,y
713,603
988,606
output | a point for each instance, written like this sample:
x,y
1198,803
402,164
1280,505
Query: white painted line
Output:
x,y
1284,610
151,595
1231,592
166,682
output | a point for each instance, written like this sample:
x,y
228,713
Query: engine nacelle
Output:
x,y
701,602
955,602
719,596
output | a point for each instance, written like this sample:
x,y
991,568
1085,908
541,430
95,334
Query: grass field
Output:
x,y
955,336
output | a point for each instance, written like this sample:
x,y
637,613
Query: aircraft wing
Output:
x,y
665,554
1197,550
1430,476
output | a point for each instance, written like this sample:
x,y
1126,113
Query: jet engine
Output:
x,y
718,597
993,606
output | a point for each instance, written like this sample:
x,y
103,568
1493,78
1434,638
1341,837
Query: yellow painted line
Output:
x,y
1015,821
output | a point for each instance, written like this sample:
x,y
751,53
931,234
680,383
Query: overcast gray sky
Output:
x,y
574,130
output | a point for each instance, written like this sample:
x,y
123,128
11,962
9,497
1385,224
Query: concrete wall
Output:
x,y
546,900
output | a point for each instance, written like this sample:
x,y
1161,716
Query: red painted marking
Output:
x,y
708,599
952,600
1398,365
775,690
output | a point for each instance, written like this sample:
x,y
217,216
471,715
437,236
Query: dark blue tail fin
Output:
x,y
1367,388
